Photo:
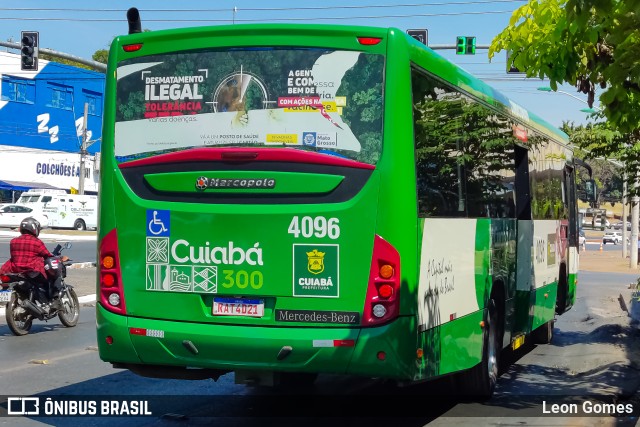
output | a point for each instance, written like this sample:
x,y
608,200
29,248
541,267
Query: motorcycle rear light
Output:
x,y
5,279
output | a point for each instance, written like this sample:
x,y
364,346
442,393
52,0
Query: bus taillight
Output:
x,y
382,303
111,292
132,47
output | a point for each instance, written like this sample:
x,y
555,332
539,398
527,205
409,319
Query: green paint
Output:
x,y
482,261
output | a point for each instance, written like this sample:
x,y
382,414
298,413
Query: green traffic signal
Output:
x,y
461,45
465,45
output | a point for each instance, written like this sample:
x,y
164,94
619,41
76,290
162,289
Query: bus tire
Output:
x,y
563,291
480,381
543,334
79,225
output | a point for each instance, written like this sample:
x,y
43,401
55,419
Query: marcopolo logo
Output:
x,y
316,271
202,183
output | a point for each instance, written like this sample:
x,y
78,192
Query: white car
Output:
x,y
12,215
612,237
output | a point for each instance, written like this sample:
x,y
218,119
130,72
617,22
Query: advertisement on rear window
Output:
x,y
310,99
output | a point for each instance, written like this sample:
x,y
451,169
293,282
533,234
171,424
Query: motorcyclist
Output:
x,y
28,255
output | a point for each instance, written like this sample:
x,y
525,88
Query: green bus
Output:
x,y
280,201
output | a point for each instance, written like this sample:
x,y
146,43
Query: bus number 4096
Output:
x,y
318,227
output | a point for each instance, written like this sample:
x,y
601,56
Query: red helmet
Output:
x,y
30,225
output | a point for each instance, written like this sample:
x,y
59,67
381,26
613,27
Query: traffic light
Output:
x,y
29,50
465,45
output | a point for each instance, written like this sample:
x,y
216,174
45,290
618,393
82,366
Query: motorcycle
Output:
x,y
28,300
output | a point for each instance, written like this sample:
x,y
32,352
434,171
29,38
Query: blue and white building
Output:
x,y
41,126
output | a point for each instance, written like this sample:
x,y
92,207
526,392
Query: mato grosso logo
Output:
x,y
316,271
202,183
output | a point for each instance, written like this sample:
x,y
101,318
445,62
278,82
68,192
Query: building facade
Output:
x,y
42,123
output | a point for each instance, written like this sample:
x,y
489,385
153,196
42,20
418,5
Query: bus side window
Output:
x,y
437,125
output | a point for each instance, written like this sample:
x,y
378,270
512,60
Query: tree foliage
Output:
x,y
593,44
63,61
596,141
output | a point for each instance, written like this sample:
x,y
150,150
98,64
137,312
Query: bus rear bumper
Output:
x,y
136,343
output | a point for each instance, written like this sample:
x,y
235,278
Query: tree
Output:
x,y
64,61
594,139
101,55
589,43
593,44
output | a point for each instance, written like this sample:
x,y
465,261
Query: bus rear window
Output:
x,y
328,101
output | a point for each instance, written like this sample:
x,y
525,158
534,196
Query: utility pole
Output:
x,y
83,148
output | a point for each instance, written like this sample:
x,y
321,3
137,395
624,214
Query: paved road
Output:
x,y
594,351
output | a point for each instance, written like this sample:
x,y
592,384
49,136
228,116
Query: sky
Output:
x,y
81,27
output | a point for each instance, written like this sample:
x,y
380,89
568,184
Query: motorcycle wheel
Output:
x,y
70,312
18,319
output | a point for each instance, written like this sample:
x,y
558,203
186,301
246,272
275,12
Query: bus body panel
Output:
x,y
327,350
229,251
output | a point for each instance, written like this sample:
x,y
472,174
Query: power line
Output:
x,y
265,9
337,18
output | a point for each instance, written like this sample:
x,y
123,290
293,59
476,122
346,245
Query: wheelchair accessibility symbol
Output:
x,y
158,222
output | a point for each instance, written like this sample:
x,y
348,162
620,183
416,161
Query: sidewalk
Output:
x,y
605,261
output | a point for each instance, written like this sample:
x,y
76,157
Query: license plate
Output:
x,y
5,296
238,307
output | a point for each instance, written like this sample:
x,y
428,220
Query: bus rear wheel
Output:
x,y
480,381
79,225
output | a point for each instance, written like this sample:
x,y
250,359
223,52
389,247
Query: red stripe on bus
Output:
x,y
241,154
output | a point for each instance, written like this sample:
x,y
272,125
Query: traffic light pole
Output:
x,y
98,66
454,47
